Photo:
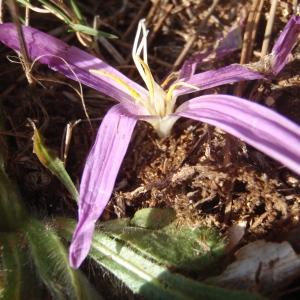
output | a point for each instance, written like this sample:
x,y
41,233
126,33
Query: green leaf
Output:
x,y
76,10
153,218
52,8
52,163
51,262
91,31
178,247
56,11
12,211
18,279
1,283
142,274
13,268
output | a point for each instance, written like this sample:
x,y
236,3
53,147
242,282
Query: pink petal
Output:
x,y
257,125
230,74
99,176
272,64
285,44
226,45
48,48
189,66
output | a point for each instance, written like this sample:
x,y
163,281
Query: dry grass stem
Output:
x,y
269,27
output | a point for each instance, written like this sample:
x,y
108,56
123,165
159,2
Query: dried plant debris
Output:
x,y
261,266
235,234
204,190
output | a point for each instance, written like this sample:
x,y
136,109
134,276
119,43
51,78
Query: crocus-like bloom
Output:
x,y
255,124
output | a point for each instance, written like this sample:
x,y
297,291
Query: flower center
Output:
x,y
158,103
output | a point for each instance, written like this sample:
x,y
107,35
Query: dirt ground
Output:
x,y
208,176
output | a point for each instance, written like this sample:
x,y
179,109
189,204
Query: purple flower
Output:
x,y
255,124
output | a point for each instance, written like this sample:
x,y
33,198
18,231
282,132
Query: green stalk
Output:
x,y
19,282
12,212
51,262
52,163
12,264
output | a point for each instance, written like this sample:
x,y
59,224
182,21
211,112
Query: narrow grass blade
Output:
x,y
54,9
67,18
51,262
52,163
91,31
76,10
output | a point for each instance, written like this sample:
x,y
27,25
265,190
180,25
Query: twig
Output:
x,y
108,46
37,9
184,52
1,11
135,20
249,37
267,37
15,15
112,50
295,7
11,87
117,14
67,135
192,40
209,13
153,10
27,15
160,22
250,31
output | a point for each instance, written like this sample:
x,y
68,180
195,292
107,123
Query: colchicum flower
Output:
x,y
257,125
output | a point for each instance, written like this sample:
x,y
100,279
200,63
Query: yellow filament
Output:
x,y
135,95
168,79
149,78
169,101
177,85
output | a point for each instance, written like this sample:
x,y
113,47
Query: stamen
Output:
x,y
159,102
149,78
176,85
156,97
170,100
170,77
138,47
135,95
145,48
136,39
